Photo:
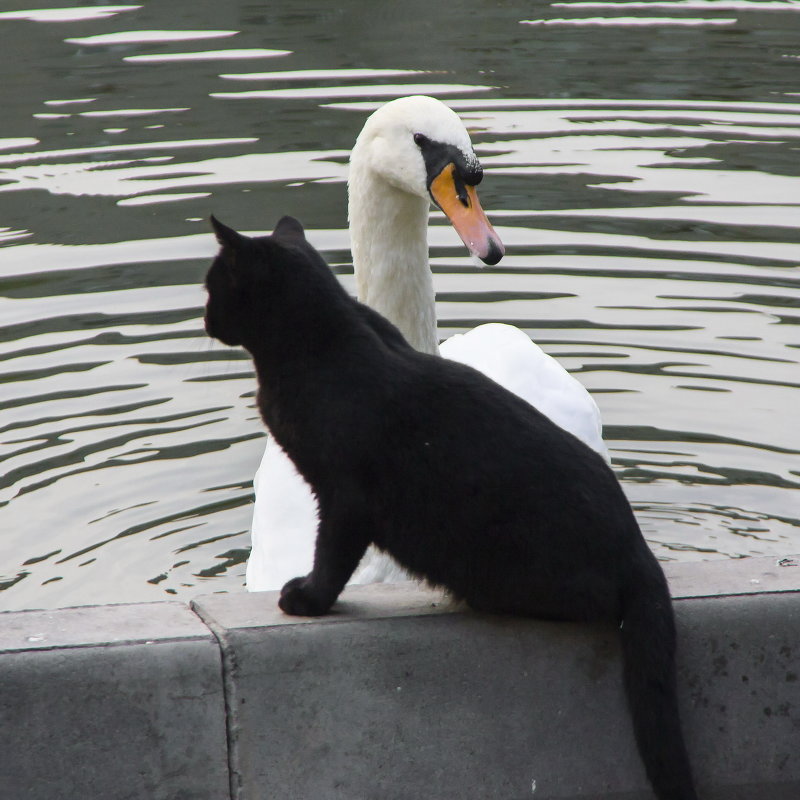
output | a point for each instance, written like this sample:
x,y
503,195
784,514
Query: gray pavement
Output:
x,y
398,694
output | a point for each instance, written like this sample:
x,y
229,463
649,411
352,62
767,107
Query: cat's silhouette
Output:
x,y
464,483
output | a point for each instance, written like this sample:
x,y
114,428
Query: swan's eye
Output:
x,y
421,139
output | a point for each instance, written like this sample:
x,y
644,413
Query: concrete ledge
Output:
x,y
397,695
111,702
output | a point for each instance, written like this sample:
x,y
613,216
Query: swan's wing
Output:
x,y
508,356
378,567
284,527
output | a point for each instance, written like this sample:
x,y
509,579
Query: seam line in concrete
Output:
x,y
87,645
708,596
228,667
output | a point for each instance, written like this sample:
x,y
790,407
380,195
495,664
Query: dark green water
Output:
x,y
641,166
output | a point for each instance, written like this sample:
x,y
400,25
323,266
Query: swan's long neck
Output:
x,y
389,240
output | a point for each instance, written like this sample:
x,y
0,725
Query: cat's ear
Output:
x,y
227,237
289,228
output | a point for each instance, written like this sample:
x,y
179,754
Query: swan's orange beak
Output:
x,y
460,203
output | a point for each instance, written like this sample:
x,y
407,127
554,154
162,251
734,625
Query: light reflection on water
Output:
x,y
652,243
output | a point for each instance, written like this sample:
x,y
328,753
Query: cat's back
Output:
x,y
471,482
471,410
448,424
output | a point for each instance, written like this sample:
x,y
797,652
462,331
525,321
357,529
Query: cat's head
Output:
x,y
249,274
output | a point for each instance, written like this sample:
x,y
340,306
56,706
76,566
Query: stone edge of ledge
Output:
x,y
206,615
218,621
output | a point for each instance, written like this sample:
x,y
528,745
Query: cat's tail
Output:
x,y
648,649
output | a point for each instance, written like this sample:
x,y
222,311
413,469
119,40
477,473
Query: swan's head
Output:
x,y
418,145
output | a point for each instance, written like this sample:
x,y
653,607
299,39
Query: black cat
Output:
x,y
464,483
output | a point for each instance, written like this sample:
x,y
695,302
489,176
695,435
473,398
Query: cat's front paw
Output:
x,y
298,600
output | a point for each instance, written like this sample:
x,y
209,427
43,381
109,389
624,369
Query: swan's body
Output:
x,y
410,151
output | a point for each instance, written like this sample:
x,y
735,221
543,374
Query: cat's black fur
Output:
x,y
464,483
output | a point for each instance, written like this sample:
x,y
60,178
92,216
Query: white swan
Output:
x,y
410,151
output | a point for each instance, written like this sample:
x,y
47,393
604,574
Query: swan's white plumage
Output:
x,y
284,523
509,357
388,211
